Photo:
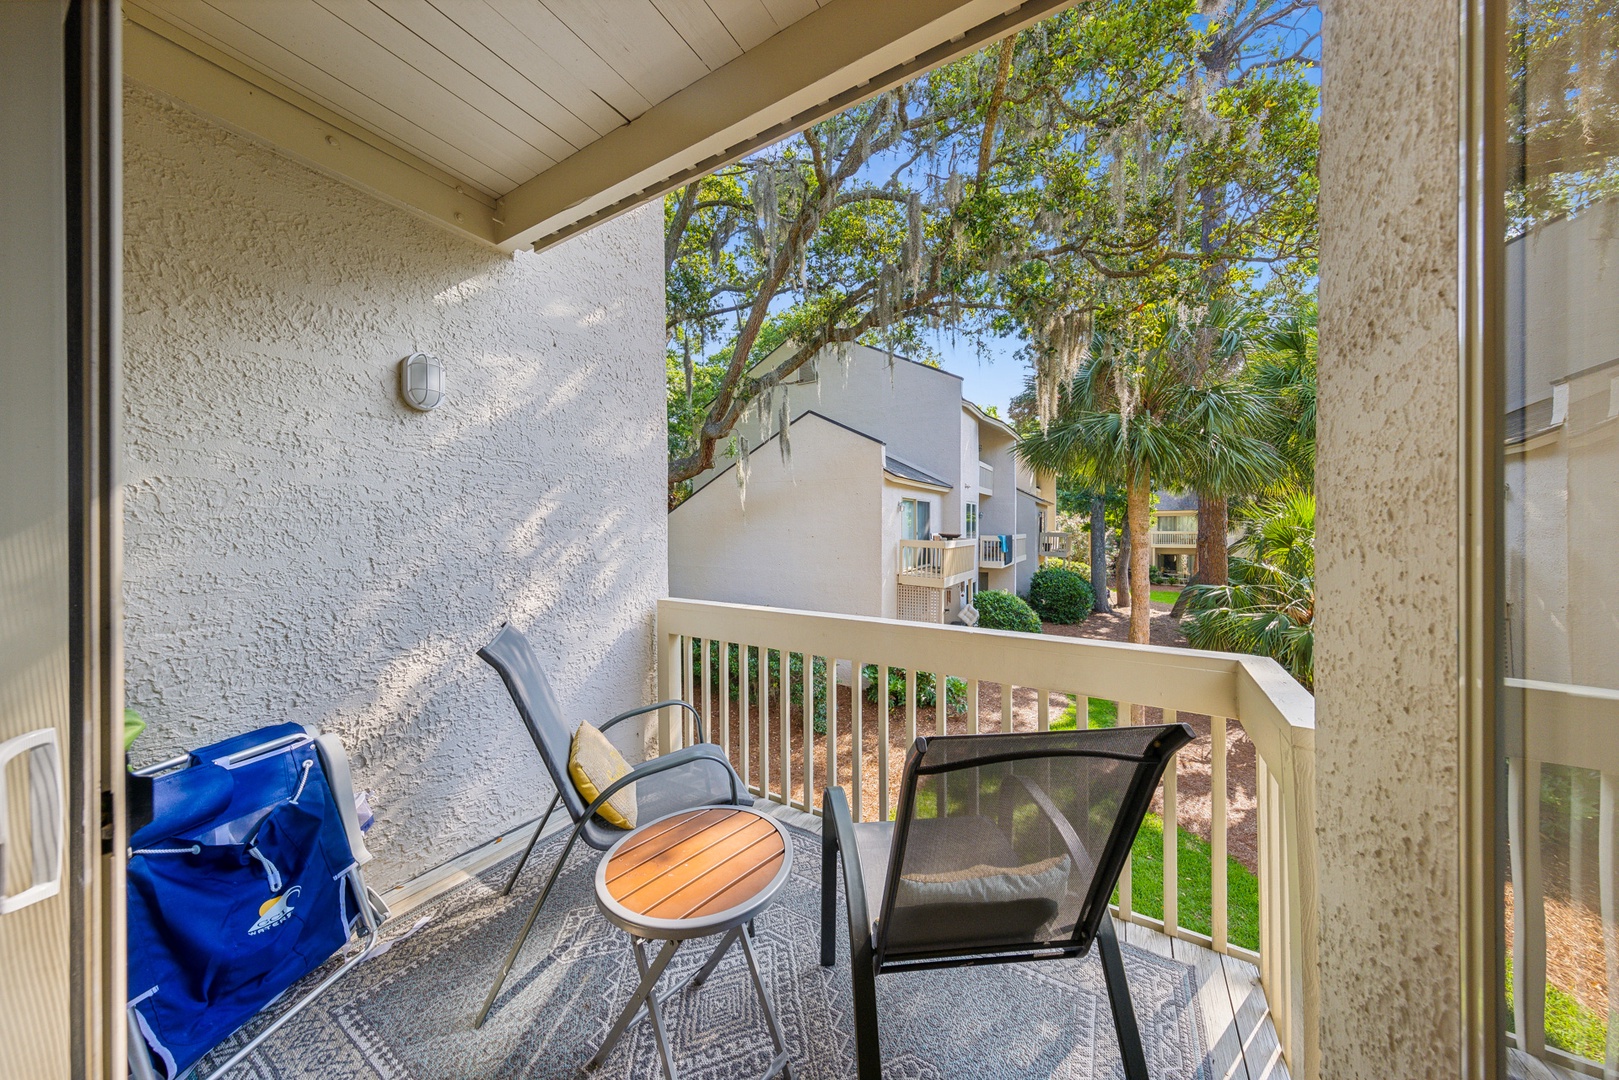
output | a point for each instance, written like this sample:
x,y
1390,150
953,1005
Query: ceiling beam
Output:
x,y
841,54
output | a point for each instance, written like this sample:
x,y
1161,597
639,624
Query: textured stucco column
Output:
x,y
1387,557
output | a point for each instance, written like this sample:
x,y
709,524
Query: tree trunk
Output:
x,y
1138,511
1121,569
1213,563
1099,553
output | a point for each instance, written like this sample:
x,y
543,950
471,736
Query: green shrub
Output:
x,y
795,677
1004,611
1060,596
926,691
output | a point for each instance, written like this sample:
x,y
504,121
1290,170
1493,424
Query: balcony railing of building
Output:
x,y
1277,715
1056,545
937,564
1562,739
986,478
995,553
1174,537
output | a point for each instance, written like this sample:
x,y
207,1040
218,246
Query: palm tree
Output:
x,y
1283,364
1134,415
1269,606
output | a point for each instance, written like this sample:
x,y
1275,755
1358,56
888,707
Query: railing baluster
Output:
x,y
1042,715
764,721
1528,907
941,704
1006,707
972,706
910,708
857,740
724,737
882,742
830,770
1172,879
746,688
785,693
1219,889
708,689
806,708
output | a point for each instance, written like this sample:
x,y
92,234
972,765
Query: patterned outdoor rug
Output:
x,y
406,1014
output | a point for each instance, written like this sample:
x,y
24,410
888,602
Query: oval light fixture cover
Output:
x,y
421,381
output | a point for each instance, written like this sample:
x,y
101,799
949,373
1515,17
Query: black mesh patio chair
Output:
x,y
1005,848
696,775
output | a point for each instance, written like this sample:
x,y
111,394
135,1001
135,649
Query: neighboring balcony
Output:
x,y
936,564
1174,538
999,552
986,478
1056,545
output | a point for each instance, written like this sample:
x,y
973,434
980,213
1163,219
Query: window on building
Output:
x,y
972,521
914,521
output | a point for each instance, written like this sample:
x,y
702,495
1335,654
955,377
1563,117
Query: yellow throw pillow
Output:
x,y
594,764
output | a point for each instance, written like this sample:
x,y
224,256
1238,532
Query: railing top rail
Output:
x,y
1278,713
938,545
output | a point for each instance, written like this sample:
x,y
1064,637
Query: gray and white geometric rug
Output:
x,y
406,1014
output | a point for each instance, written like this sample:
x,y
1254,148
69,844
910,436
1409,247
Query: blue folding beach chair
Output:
x,y
246,879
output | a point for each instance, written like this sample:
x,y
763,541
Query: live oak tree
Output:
x,y
1018,188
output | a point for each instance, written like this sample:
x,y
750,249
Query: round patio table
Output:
x,y
688,875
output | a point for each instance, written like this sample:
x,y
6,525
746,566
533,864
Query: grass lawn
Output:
x,y
1164,596
1569,1025
1195,861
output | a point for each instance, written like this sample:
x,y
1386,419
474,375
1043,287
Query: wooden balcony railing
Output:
x,y
1056,545
935,563
767,724
1174,537
993,551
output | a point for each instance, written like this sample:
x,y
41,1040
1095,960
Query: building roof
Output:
x,y
983,417
1172,502
767,442
901,470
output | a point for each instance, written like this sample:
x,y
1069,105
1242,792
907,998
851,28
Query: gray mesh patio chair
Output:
x,y
1005,848
696,775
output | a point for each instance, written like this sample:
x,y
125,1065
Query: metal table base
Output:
x,y
645,999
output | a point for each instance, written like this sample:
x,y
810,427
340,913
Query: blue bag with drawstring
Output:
x,y
238,887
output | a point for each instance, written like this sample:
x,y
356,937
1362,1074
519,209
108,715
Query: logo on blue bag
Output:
x,y
274,911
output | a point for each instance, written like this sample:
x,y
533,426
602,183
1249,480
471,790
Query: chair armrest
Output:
x,y
1083,863
701,754
837,825
696,717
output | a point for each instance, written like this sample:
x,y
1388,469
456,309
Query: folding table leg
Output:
x,y
632,1008
778,1064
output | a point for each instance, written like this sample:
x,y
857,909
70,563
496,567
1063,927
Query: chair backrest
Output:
x,y
1013,843
511,654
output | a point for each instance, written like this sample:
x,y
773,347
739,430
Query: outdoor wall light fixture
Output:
x,y
421,381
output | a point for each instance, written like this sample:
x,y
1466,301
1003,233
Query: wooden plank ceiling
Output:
x,y
521,121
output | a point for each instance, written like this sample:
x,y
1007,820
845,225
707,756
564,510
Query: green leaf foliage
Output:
x,y
1061,596
1005,611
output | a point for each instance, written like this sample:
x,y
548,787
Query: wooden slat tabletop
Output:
x,y
695,864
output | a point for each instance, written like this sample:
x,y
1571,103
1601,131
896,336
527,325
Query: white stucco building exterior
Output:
x,y
894,497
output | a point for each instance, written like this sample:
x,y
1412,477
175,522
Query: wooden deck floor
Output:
x,y
1242,1037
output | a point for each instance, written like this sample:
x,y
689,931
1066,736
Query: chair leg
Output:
x,y
829,900
549,810
517,946
867,1044
1118,996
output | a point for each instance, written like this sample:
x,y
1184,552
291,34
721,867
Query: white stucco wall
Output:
x,y
1387,586
808,534
300,546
